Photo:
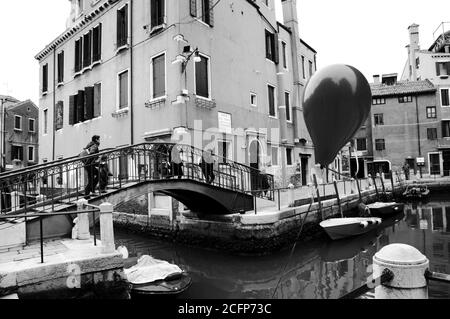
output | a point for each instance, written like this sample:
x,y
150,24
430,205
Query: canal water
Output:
x,y
319,269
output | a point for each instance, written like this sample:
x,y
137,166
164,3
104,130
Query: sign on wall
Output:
x,y
224,122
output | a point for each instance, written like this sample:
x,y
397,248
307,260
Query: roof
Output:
x,y
29,102
308,46
403,87
9,98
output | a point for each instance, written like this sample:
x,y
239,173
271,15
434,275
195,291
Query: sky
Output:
x,y
369,35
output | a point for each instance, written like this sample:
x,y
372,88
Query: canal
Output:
x,y
319,269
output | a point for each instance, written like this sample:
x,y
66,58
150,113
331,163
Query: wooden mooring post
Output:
x,y
318,195
376,188
338,198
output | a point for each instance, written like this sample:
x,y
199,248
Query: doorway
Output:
x,y
435,164
304,169
255,151
412,164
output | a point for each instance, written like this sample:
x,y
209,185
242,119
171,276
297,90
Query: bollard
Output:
x,y
83,221
408,266
291,196
107,228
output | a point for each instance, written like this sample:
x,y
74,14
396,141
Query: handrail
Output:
x,y
58,163
41,219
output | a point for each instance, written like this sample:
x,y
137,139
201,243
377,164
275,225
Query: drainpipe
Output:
x,y
282,119
54,104
418,132
2,124
132,74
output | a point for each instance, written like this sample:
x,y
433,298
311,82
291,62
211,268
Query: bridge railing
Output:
x,y
57,185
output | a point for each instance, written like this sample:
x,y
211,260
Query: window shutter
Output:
x,y
89,103
277,49
438,71
99,43
97,99
154,14
58,116
72,110
211,13
447,64
194,8
80,107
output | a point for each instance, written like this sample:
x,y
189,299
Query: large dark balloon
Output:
x,y
336,102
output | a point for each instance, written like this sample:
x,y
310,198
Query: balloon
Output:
x,y
336,102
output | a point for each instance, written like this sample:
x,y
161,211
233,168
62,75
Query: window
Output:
x,y
405,99
432,133
17,153
202,77
45,121
253,99
97,44
442,68
431,112
31,125
87,44
97,100
379,119
445,97
361,144
79,7
266,2
380,145
378,101
224,151
30,153
207,11
59,115
283,45
271,96
157,13
417,62
271,47
274,151
310,68
303,67
445,128
287,99
78,55
18,122
45,78
123,90
61,67
289,156
122,26
159,76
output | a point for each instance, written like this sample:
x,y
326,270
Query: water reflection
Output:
x,y
321,269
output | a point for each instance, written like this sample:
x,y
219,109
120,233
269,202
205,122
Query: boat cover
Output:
x,y
149,269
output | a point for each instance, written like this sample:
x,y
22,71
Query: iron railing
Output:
x,y
57,185
42,217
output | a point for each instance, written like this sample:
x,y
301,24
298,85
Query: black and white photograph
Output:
x,y
224,156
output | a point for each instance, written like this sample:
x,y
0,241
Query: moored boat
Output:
x,y
153,277
339,228
380,209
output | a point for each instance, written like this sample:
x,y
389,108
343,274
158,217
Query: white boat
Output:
x,y
338,228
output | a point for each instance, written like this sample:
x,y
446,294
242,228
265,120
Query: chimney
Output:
x,y
413,48
376,79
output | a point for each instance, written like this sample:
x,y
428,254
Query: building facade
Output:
x,y
433,64
20,133
405,128
223,75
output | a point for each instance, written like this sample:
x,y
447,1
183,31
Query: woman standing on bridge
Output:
x,y
91,166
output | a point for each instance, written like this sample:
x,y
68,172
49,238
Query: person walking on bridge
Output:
x,y
91,166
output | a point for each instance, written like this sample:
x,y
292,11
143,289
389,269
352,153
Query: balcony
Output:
x,y
205,103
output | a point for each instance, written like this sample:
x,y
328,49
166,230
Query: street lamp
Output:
x,y
188,53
